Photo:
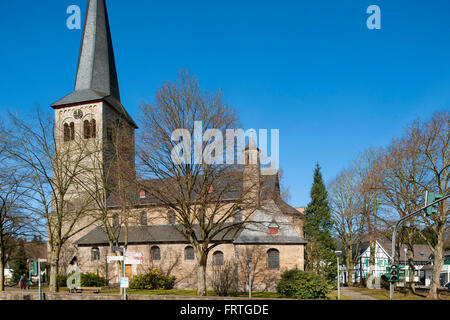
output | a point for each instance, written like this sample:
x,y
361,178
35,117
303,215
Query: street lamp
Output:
x,y
406,255
249,262
338,253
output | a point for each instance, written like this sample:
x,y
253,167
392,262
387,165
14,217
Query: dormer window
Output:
x,y
273,227
142,194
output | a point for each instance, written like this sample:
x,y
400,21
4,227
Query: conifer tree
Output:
x,y
20,263
319,251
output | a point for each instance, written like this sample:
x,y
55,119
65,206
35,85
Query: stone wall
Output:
x,y
172,262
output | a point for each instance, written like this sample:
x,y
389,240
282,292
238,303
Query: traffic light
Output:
x,y
394,273
431,197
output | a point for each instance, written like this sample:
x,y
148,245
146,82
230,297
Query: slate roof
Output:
x,y
270,190
256,232
96,73
269,215
162,233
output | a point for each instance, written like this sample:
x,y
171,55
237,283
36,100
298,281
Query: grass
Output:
x,y
267,295
333,295
383,294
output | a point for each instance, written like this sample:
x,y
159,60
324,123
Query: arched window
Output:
x,y
155,253
69,131
66,132
93,128
95,254
143,218
89,128
72,131
218,258
189,253
171,217
273,259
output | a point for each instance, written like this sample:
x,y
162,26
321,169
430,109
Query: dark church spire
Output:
x,y
96,75
96,64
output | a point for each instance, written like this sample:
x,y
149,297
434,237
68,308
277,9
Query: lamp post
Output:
x,y
406,255
338,253
249,262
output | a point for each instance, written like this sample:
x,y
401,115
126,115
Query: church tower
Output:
x,y
93,111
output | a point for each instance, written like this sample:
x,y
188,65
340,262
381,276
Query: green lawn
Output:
x,y
333,295
191,293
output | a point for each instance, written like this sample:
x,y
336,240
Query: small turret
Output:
x,y
252,173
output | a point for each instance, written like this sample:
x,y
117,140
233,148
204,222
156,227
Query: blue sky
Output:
x,y
309,68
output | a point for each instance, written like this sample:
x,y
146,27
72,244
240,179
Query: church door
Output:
x,y
128,272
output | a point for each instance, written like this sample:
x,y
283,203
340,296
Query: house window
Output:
x,y
189,253
95,254
171,217
218,258
273,259
155,253
143,218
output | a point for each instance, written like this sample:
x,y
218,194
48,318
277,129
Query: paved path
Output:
x,y
355,295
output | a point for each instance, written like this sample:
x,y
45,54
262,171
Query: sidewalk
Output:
x,y
355,295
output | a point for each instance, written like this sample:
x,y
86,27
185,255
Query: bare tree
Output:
x,y
110,183
403,186
256,266
348,220
223,278
369,173
178,175
434,138
54,160
14,221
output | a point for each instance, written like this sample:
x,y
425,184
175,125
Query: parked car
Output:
x,y
447,286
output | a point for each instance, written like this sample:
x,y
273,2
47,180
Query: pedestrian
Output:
x,y
23,282
30,283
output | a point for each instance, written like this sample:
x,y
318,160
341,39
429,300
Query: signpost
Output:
x,y
138,259
39,276
124,282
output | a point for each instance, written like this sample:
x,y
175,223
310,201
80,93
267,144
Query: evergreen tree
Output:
x,y
319,251
20,263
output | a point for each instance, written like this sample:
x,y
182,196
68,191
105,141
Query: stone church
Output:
x,y
276,245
